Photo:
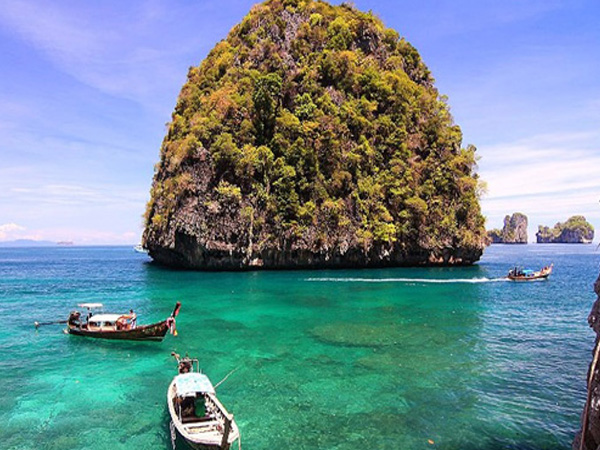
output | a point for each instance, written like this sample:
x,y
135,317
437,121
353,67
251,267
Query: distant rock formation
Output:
x,y
590,419
513,232
576,230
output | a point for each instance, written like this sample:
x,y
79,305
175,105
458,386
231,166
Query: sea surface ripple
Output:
x,y
406,358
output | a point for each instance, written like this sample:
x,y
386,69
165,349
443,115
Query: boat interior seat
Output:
x,y
190,419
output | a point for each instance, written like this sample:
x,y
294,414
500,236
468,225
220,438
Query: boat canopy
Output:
x,y
188,384
96,318
90,305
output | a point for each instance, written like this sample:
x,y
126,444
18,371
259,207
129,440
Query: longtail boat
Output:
x,y
520,274
197,415
118,326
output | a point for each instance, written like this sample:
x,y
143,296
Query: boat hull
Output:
x,y
181,440
153,332
532,278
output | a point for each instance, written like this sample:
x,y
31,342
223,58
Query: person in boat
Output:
x,y
126,321
188,407
185,366
516,271
74,318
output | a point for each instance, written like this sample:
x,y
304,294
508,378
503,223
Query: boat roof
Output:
x,y
105,317
188,384
90,305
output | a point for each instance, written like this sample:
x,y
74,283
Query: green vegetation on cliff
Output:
x,y
314,127
514,230
576,230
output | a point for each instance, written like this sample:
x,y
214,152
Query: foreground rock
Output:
x,y
576,230
513,232
313,136
590,421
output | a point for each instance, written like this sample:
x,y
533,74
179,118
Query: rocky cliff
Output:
x,y
590,420
313,136
513,232
576,230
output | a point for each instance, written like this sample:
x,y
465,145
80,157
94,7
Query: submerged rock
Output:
x,y
513,232
313,136
359,335
576,230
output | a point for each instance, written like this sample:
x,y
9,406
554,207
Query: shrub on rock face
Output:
x,y
313,136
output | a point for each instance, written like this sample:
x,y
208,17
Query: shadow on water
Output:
x,y
139,347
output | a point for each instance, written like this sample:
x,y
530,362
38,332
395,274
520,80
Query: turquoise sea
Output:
x,y
407,358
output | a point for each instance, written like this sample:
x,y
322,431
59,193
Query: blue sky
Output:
x,y
86,89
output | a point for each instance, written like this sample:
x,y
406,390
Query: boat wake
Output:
x,y
409,280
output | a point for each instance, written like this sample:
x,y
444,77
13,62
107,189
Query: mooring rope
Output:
x,y
226,376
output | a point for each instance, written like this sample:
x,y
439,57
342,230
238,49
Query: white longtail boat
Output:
x,y
197,415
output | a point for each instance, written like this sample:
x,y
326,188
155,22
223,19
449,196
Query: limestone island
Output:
x,y
313,137
514,230
576,230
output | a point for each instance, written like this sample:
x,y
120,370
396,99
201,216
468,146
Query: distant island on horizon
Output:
x,y
27,243
35,243
32,243
576,230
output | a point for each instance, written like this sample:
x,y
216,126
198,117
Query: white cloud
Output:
x,y
138,51
451,18
541,165
10,231
116,60
86,236
548,178
7,227
79,236
92,195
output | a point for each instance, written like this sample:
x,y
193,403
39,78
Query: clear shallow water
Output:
x,y
349,359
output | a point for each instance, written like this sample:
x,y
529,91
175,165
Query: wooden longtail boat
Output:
x,y
119,326
197,415
519,274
